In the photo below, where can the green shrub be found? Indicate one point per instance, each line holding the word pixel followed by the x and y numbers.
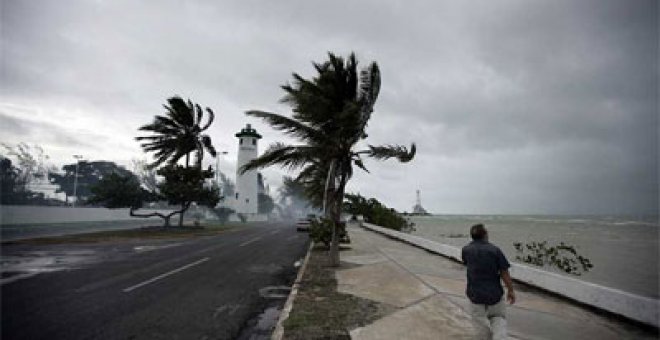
pixel 377 213
pixel 223 213
pixel 320 231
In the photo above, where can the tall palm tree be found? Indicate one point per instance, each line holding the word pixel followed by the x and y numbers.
pixel 177 134
pixel 330 116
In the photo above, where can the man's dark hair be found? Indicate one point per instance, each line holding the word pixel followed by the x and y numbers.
pixel 478 232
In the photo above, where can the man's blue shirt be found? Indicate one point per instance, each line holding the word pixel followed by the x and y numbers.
pixel 484 263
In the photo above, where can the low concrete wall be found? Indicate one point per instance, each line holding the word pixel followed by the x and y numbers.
pixel 635 307
pixel 25 214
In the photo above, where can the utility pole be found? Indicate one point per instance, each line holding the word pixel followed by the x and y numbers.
pixel 217 172
pixel 75 180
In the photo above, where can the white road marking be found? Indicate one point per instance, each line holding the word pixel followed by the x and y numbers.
pixel 250 241
pixel 140 249
pixel 274 232
pixel 161 276
pixel 17 277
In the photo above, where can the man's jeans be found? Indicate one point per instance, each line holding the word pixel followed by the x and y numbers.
pixel 495 315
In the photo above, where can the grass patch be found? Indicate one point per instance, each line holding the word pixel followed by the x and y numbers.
pixel 158 232
pixel 320 312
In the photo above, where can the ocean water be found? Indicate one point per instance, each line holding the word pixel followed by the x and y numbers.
pixel 623 250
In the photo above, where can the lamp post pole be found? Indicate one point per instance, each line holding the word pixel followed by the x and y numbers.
pixel 217 168
pixel 75 180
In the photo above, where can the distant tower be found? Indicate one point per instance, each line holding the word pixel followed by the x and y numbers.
pixel 418 209
pixel 246 184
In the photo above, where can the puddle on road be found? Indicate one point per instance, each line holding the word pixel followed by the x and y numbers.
pixel 261 327
pixel 264 324
pixel 28 264
pixel 275 292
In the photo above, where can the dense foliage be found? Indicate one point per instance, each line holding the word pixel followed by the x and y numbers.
pixel 266 203
pixel 375 212
pixel 89 174
pixel 118 191
pixel 181 185
pixel 14 188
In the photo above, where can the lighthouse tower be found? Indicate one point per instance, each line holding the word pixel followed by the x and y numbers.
pixel 246 198
pixel 418 209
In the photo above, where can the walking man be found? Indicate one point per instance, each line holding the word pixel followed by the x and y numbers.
pixel 486 264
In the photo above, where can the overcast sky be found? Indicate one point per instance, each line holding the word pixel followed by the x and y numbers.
pixel 516 106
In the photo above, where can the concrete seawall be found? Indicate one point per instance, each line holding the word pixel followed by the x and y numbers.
pixel 639 308
pixel 24 214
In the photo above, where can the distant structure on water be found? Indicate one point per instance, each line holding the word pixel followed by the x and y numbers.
pixel 418 209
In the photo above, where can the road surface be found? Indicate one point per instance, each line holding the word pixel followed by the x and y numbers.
pixel 205 288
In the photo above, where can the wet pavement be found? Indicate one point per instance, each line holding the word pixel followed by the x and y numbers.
pixel 428 292
pixel 214 287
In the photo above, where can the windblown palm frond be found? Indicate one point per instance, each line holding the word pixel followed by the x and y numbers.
pixel 288 156
pixel 369 90
pixel 391 151
pixel 289 126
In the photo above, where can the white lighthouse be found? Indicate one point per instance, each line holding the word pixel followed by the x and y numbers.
pixel 246 196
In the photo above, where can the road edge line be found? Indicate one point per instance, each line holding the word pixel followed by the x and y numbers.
pixel 278 333
pixel 164 275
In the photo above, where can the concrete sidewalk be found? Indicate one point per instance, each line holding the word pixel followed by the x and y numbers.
pixel 427 291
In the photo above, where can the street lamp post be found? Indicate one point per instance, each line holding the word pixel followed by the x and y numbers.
pixel 217 168
pixel 75 180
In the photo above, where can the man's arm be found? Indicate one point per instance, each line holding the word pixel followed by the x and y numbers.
pixel 506 277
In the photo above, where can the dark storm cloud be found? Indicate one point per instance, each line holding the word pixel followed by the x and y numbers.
pixel 515 105
pixel 16 130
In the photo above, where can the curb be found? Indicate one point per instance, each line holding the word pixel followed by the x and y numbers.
pixel 279 328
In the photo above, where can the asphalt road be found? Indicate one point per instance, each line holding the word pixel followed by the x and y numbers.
pixel 204 288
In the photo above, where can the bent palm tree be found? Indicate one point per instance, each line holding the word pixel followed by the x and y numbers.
pixel 330 116
pixel 176 135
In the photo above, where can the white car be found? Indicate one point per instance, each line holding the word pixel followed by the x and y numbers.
pixel 303 224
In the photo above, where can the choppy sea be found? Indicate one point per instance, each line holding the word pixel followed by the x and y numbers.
pixel 623 249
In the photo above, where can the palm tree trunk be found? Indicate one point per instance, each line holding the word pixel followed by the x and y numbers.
pixel 183 204
pixel 327 185
pixel 183 210
pixel 338 198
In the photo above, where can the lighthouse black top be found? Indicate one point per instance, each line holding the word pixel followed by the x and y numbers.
pixel 248 131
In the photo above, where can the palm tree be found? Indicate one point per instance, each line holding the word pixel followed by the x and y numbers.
pixel 330 116
pixel 176 135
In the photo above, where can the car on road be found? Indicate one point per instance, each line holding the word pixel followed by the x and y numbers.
pixel 303 224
